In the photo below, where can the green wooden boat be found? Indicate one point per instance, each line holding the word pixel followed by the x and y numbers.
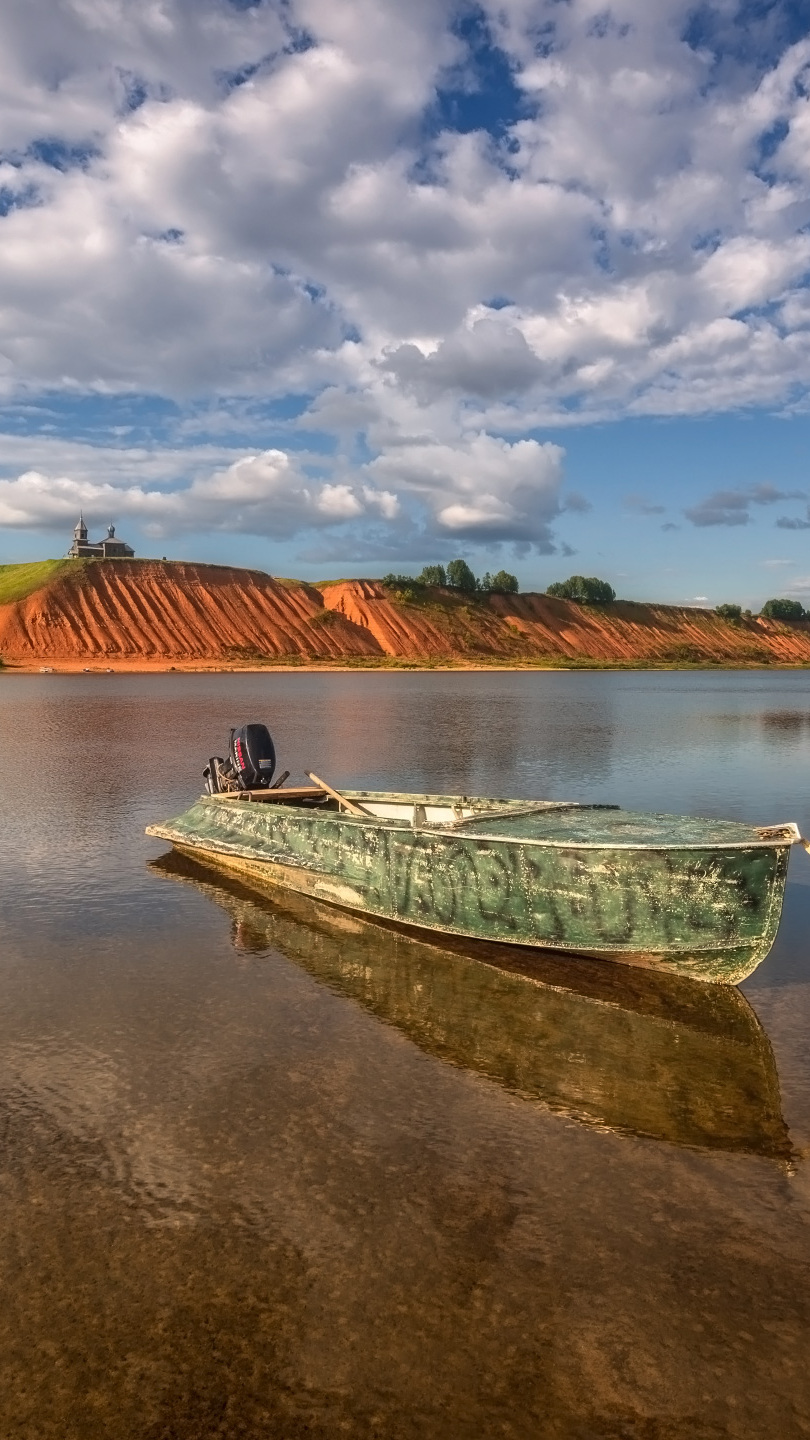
pixel 690 896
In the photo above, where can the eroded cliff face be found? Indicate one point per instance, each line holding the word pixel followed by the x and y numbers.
pixel 164 611
pixel 667 633
pixel 438 624
pixel 159 613
pixel 533 627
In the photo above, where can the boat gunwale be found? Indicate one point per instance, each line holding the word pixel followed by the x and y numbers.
pixel 465 831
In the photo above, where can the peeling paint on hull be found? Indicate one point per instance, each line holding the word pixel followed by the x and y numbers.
pixel 703 900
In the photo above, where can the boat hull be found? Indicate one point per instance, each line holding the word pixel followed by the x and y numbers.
pixel 703 911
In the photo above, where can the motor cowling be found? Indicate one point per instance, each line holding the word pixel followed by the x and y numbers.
pixel 250 764
pixel 252 756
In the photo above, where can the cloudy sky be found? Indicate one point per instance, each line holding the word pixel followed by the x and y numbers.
pixel 339 286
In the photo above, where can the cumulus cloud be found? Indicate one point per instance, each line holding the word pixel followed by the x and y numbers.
pixel 204 148
pixel 489 359
pixel 733 507
pixel 274 201
pixel 264 494
pixel 483 488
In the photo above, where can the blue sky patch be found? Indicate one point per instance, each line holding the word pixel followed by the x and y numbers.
pixel 480 94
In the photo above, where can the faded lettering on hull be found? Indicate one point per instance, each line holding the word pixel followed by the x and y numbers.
pixel 699 911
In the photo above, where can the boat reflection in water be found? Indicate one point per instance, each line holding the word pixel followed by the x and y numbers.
pixel 631 1051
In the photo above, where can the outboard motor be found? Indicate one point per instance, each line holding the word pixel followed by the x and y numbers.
pixel 253 756
pixel 250 764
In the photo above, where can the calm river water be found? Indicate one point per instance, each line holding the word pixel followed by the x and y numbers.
pixel 270 1171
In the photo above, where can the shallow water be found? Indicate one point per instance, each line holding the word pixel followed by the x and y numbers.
pixel 271 1171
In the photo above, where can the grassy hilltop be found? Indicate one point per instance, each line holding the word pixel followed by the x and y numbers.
pixel 19 581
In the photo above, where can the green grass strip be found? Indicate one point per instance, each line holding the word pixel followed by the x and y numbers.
pixel 18 581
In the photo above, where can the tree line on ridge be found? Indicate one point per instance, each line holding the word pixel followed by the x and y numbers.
pixel 583 589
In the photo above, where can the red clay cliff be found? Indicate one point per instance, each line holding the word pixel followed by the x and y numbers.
pixel 153 614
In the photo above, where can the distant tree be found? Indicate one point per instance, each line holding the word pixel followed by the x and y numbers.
pixel 401 582
pixel 783 610
pixel 485 583
pixel 729 612
pixel 504 584
pixel 461 577
pixel 587 590
pixel 433 575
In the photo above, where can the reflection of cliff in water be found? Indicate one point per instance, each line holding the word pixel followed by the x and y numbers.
pixel 634 1052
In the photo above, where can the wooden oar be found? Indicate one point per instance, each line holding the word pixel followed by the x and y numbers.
pixel 350 805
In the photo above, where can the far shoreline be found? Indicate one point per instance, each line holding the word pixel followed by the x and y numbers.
pixel 385 667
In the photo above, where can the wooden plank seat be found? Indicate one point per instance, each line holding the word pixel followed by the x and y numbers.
pixel 275 797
